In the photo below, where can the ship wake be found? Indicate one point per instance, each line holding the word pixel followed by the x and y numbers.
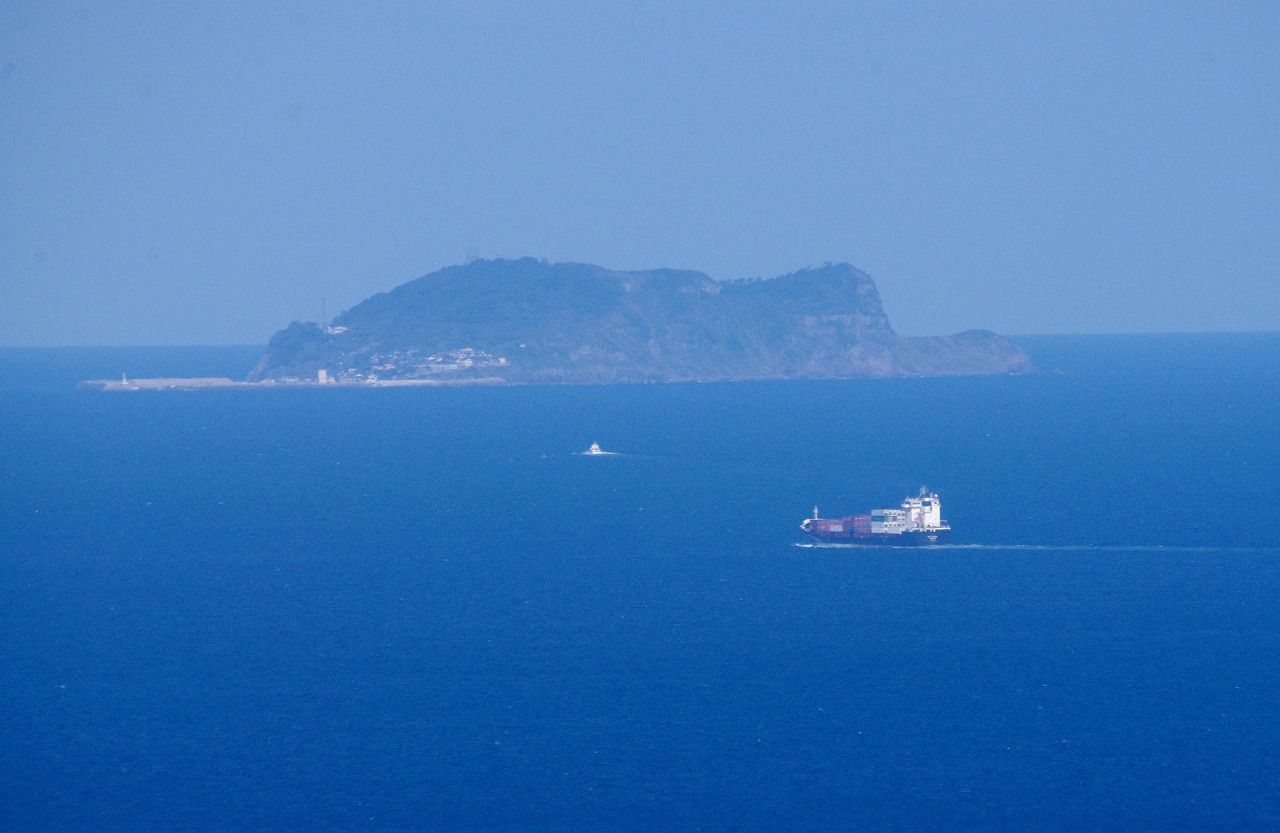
pixel 808 545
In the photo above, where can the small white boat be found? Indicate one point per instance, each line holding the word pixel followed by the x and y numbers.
pixel 596 451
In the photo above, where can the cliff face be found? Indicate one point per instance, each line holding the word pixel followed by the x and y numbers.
pixel 528 321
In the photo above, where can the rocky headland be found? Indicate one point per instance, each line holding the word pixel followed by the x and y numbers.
pixel 528 321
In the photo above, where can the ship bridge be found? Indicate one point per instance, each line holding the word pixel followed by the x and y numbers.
pixel 924 511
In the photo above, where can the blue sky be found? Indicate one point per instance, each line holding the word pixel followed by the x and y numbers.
pixel 177 173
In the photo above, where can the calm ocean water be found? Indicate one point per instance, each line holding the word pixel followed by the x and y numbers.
pixel 419 610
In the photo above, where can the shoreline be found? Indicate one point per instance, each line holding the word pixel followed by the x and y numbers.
pixel 125 384
pixel 223 383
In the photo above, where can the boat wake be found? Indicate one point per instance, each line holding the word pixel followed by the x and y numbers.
pixel 596 451
pixel 1034 547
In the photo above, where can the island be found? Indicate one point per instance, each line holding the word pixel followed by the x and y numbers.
pixel 530 321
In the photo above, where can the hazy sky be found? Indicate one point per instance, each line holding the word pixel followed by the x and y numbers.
pixel 178 173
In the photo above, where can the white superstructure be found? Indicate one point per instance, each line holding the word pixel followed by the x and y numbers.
pixel 922 513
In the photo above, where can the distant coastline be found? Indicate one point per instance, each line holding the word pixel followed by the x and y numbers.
pixel 184 367
pixel 125 384
pixel 531 321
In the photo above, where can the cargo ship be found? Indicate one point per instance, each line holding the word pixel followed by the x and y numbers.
pixel 917 522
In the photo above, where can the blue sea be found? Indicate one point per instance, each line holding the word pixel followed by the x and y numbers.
pixel 415 609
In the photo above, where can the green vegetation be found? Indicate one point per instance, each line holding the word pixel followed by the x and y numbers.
pixel 530 321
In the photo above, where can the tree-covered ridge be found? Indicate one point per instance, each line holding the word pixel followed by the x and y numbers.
pixel 528 320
